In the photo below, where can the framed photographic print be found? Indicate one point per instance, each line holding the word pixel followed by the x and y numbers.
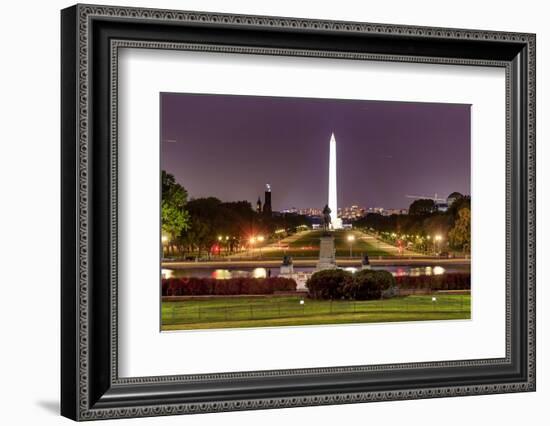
pixel 263 212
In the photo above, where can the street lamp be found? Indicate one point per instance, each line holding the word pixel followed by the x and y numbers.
pixel 437 240
pixel 165 241
pixel 260 239
pixel 252 240
pixel 351 239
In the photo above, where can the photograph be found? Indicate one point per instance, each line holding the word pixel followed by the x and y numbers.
pixel 286 211
pixel 272 208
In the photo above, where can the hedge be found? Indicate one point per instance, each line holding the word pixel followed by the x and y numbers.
pixel 328 283
pixel 370 284
pixel 375 284
pixel 451 281
pixel 233 286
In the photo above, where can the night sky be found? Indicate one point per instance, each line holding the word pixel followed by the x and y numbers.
pixel 229 147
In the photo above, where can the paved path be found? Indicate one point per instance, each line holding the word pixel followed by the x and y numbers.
pixel 369 239
pixel 382 245
pixel 269 248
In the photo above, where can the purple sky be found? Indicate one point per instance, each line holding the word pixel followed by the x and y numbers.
pixel 231 146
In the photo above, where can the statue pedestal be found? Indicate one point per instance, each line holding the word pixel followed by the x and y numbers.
pixel 286 269
pixel 327 255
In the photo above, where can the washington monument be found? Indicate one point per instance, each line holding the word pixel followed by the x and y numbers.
pixel 332 186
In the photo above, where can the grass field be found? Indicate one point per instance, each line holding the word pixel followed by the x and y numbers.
pixel 274 311
pixel 308 245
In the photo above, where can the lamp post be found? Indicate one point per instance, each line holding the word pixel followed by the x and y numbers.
pixel 252 240
pixel 260 239
pixel 164 240
pixel 437 240
pixel 351 239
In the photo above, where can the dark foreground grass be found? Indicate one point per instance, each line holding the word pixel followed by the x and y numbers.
pixel 275 311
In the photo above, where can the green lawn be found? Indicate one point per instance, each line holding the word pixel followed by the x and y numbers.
pixel 308 245
pixel 273 311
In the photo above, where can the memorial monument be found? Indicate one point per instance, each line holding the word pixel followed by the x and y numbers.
pixel 336 222
pixel 331 221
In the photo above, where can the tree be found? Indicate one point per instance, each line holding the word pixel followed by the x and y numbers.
pixel 459 204
pixel 459 235
pixel 328 283
pixel 369 284
pixel 422 207
pixel 175 218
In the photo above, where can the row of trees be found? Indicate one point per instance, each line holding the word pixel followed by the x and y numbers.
pixel 203 225
pixel 424 220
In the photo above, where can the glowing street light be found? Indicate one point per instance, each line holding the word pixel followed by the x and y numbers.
pixel 351 239
pixel 165 240
pixel 260 239
pixel 437 240
pixel 252 241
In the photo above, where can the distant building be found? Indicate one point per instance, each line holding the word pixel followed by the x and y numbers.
pixel 259 205
pixel 351 213
pixel 292 210
pixel 441 207
pixel 386 212
pixel 267 200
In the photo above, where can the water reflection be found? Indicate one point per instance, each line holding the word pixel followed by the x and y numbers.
pixel 223 274
pixel 438 270
pixel 259 273
pixel 423 270
pixel 167 273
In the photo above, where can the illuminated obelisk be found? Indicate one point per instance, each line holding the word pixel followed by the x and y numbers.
pixel 332 186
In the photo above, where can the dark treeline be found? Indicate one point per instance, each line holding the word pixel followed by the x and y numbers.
pixel 208 224
pixel 423 222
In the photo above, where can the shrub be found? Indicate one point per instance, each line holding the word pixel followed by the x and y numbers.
pixel 328 284
pixel 369 284
pixel 451 281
